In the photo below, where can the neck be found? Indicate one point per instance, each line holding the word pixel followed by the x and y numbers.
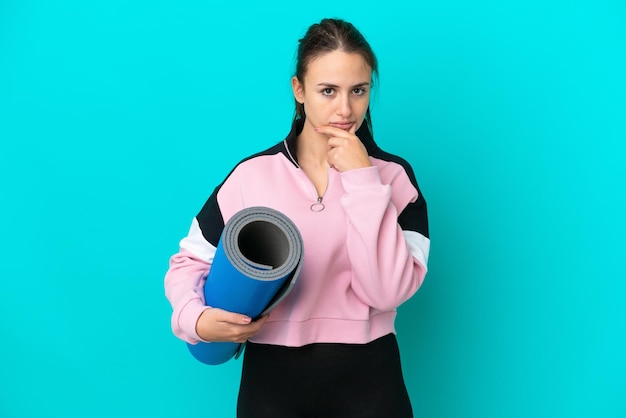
pixel 312 147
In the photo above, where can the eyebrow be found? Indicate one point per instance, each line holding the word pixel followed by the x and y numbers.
pixel 336 86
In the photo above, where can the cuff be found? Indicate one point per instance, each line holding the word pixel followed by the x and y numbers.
pixel 360 178
pixel 188 318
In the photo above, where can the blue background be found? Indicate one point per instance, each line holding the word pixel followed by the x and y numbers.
pixel 118 118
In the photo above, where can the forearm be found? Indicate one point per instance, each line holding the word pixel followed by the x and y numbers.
pixel 385 270
pixel 184 284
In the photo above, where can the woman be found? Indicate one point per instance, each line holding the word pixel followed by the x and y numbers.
pixel 329 348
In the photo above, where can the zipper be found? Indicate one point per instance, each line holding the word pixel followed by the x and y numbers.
pixel 318 206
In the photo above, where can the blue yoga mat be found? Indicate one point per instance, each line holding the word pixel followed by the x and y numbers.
pixel 258 259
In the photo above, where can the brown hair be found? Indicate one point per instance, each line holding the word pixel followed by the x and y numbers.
pixel 327 36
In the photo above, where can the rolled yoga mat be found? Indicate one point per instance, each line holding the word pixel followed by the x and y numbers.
pixel 257 261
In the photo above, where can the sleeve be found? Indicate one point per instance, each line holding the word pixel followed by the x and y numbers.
pixel 387 244
pixel 188 269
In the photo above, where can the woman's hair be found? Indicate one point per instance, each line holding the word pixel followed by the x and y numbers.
pixel 327 36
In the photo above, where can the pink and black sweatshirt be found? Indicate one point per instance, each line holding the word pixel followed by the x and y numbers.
pixel 365 253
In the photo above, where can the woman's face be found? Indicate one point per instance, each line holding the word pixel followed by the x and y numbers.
pixel 336 90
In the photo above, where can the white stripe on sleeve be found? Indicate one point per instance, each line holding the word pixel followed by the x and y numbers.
pixel 197 244
pixel 419 246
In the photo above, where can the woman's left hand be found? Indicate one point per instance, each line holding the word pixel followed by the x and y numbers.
pixel 345 149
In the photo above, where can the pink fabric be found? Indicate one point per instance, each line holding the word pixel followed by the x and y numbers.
pixel 357 265
pixel 184 284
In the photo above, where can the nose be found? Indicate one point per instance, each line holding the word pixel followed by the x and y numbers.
pixel 344 107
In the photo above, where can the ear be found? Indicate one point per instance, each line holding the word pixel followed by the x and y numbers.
pixel 298 89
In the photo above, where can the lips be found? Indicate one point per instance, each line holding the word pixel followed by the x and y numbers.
pixel 342 125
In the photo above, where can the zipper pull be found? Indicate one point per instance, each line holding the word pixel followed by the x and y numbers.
pixel 318 206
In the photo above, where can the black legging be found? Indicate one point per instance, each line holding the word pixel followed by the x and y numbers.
pixel 324 381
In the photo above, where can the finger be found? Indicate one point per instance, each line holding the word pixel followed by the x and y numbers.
pixel 333 131
pixel 352 129
pixel 231 317
pixel 262 320
pixel 242 332
pixel 334 142
pixel 338 142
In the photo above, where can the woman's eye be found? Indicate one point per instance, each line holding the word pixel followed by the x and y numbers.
pixel 358 91
pixel 328 91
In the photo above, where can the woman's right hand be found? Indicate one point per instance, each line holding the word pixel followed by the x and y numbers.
pixel 219 325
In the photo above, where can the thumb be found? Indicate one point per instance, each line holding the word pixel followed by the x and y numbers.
pixel 352 129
